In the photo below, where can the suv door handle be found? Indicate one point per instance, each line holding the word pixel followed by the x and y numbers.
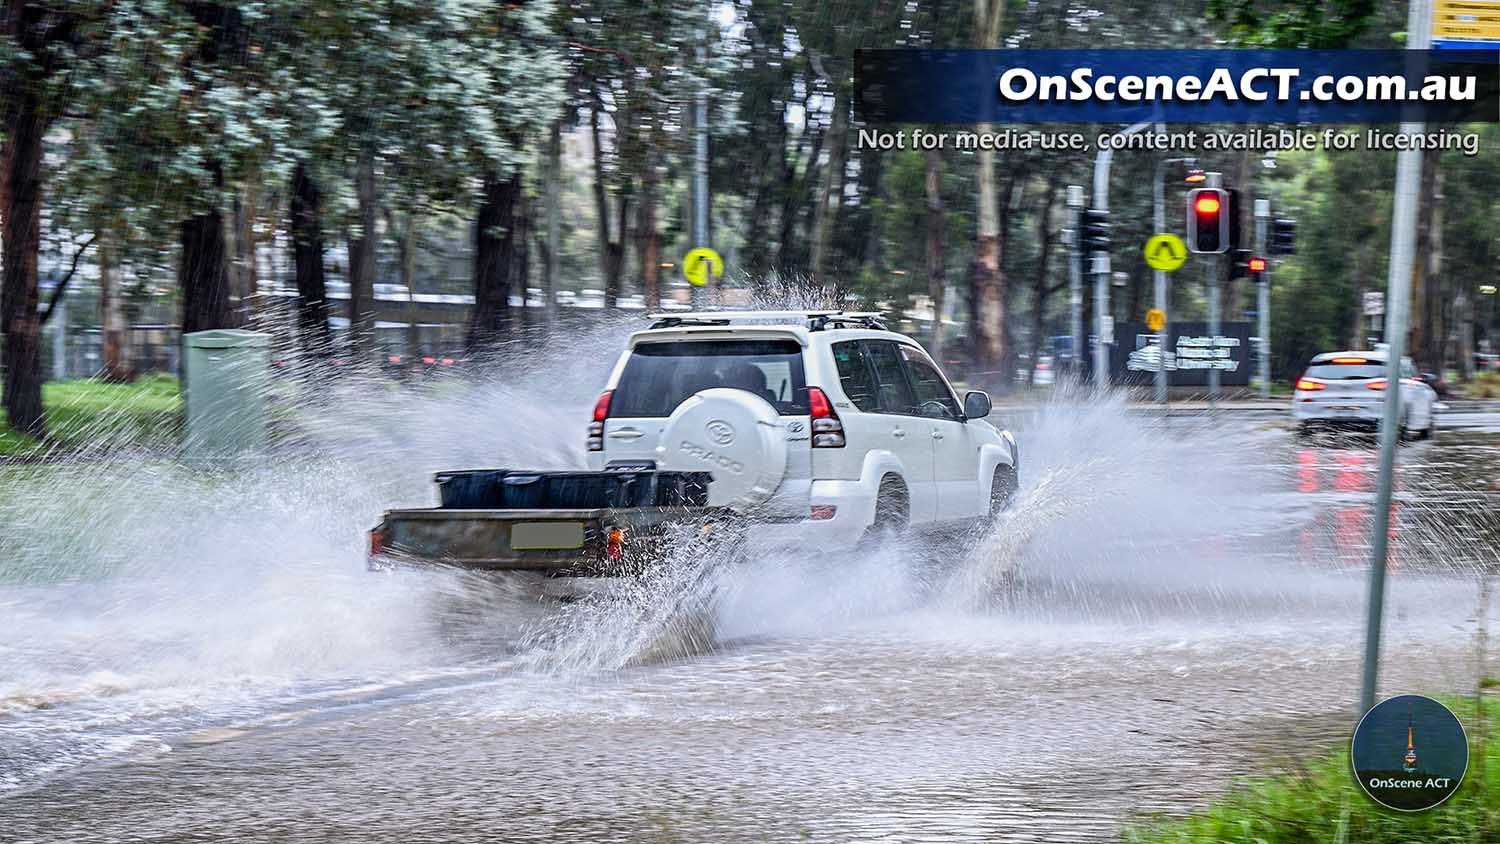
pixel 937 435
pixel 626 434
pixel 898 433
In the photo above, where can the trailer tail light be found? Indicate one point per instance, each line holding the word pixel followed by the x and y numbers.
pixel 1308 385
pixel 614 547
pixel 1377 384
pixel 596 427
pixel 377 541
pixel 827 430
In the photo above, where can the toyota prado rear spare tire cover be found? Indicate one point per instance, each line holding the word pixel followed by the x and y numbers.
pixel 735 436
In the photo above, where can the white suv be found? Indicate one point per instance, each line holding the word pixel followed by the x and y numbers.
pixel 823 423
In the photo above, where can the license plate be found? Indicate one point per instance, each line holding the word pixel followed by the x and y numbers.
pixel 546 536
pixel 1345 407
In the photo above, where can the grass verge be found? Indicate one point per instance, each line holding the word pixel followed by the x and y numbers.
pixel 88 414
pixel 1321 804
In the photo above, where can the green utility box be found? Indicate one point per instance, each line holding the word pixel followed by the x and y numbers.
pixel 227 375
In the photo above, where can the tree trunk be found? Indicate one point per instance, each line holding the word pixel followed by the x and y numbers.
pixel 830 192
pixel 1041 289
pixel 1437 322
pixel 936 257
pixel 648 241
pixel 362 265
pixel 246 285
pixel 520 255
pixel 406 245
pixel 118 363
pixel 307 253
pixel 611 249
pixel 554 222
pixel 988 283
pixel 203 276
pixel 1463 316
pixel 21 207
pixel 494 248
pixel 1425 344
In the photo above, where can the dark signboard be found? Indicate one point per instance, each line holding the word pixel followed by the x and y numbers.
pixel 1191 353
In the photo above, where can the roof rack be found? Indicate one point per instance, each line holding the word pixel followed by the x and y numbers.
pixel 813 320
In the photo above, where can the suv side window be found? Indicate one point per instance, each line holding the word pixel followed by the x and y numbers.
pixel 934 399
pixel 893 394
pixel 855 375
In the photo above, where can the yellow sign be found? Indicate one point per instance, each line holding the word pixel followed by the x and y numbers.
pixel 1156 319
pixel 701 263
pixel 1471 21
pixel 1165 252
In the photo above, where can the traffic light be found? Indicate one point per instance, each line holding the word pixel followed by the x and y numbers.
pixel 1239 263
pixel 1257 265
pixel 1283 237
pixel 1208 215
pixel 1096 230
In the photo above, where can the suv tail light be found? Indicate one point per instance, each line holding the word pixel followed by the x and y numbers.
pixel 596 427
pixel 1377 384
pixel 827 430
pixel 1308 384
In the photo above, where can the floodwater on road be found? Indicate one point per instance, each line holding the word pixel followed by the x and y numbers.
pixel 191 657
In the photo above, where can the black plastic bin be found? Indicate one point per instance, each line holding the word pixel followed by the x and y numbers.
pixel 507 489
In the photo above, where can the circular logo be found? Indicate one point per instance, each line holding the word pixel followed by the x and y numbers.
pixel 1409 753
pixel 720 432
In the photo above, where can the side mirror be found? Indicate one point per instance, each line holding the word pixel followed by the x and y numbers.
pixel 976 404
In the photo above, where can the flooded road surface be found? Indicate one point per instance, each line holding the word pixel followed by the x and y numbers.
pixel 1189 609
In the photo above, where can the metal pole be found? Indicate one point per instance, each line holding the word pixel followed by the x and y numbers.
pixel 1101 261
pixel 1213 330
pixel 1075 275
pixel 1263 296
pixel 1398 293
pixel 1213 180
pixel 700 161
pixel 60 339
pixel 1159 223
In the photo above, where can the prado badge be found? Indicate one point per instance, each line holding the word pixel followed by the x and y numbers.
pixel 1409 753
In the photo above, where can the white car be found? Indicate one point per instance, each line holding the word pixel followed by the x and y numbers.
pixel 1349 388
pixel 823 424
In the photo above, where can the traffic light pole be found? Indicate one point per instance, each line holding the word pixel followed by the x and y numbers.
pixel 1213 329
pixel 1159 282
pixel 1101 259
pixel 1263 297
pixel 1075 276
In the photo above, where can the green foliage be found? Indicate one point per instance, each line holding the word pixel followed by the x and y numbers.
pixel 1285 24
pixel 1322 803
pixel 95 415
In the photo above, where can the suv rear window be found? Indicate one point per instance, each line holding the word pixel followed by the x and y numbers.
pixel 660 376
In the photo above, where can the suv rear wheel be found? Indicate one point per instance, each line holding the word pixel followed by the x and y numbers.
pixel 892 514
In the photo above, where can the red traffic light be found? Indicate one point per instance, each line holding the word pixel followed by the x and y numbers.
pixel 1257 265
pixel 1206 204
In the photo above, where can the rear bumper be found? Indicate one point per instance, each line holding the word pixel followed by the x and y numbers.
pixel 1362 411
pixel 854 510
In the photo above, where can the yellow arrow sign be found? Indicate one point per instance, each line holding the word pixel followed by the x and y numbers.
pixel 1156 319
pixel 700 264
pixel 1165 252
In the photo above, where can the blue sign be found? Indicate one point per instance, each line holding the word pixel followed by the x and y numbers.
pixel 1177 86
